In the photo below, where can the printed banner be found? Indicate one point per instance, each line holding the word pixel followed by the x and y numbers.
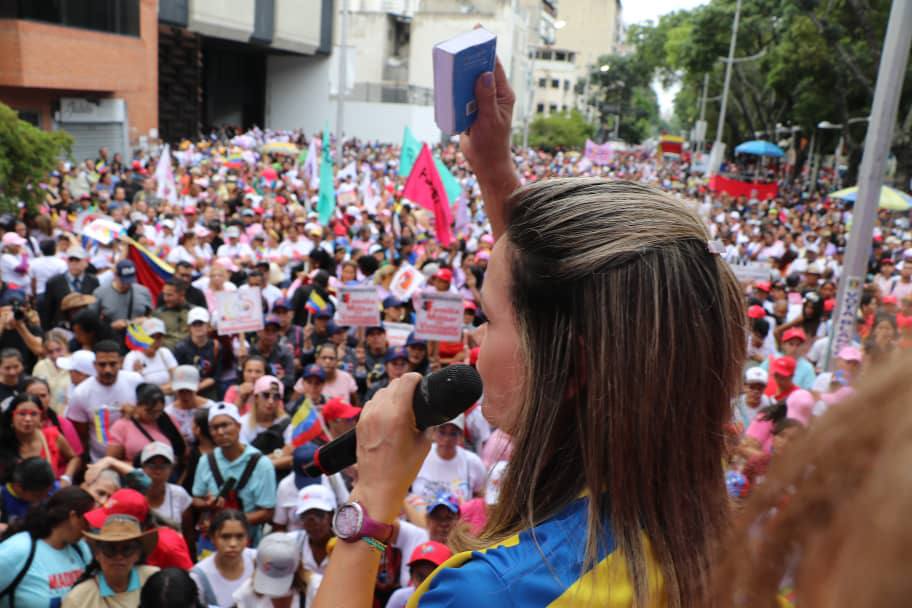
pixel 439 317
pixel 750 272
pixel 733 187
pixel 239 311
pixel 406 281
pixel 397 333
pixel 598 154
pixel 359 306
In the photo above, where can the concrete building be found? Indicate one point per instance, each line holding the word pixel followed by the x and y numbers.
pixel 389 67
pixel 114 71
pixel 589 29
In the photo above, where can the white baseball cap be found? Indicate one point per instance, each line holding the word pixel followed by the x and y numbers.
pixel 186 377
pixel 225 409
pixel 756 375
pixel 315 497
pixel 157 448
pixel 153 326
pixel 233 232
pixel 82 361
pixel 197 313
pixel 458 422
pixel 277 560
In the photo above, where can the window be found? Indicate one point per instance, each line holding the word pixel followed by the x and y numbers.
pixel 564 108
pixel 560 56
pixel 552 108
pixel 571 57
pixel 555 83
pixel 114 16
pixel 566 85
pixel 540 108
pixel 542 83
pixel 546 55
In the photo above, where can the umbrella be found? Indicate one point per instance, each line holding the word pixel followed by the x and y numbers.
pixel 890 198
pixel 280 147
pixel 759 147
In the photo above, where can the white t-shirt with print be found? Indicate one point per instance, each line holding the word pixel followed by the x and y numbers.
pixel 101 406
pixel 175 503
pixel 155 370
pixel 463 475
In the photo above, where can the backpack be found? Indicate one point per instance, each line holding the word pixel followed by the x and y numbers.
pixel 272 438
pixel 10 589
pixel 233 499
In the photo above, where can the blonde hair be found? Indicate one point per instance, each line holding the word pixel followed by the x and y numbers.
pixel 833 510
pixel 633 337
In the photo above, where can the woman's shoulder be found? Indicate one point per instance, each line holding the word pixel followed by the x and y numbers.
pixel 16 547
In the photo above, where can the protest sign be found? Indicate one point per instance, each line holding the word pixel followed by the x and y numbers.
pixel 406 280
pixel 748 272
pixel 397 333
pixel 439 317
pixel 239 311
pixel 598 154
pixel 358 306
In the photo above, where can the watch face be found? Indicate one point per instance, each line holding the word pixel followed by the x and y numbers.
pixel 348 521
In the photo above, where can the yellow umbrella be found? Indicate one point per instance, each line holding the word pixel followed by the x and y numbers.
pixel 890 198
pixel 280 147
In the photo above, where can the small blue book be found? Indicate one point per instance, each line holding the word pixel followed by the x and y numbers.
pixel 458 63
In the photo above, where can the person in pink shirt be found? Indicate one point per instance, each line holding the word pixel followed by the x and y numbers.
pixel 149 423
pixel 339 383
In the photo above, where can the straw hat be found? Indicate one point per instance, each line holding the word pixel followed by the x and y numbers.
pixel 76 300
pixel 122 528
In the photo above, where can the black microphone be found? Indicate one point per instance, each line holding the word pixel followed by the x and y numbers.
pixel 439 398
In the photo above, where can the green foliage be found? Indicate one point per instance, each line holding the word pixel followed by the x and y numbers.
pixel 624 89
pixel 568 130
pixel 818 61
pixel 27 155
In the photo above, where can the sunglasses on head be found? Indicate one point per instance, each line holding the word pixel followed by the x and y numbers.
pixel 123 549
pixel 271 395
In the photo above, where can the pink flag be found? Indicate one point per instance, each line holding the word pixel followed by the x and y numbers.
pixel 425 188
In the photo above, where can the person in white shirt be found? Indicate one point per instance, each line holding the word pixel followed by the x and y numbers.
pixel 14 261
pixel 234 249
pixel 155 363
pixel 221 574
pixel 449 468
pixel 285 517
pixel 315 508
pixel 44 267
pixel 167 500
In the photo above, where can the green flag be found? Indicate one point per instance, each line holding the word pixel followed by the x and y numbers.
pixel 450 183
pixel 327 201
pixel 410 149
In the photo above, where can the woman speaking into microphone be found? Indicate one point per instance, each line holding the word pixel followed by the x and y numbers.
pixel 613 349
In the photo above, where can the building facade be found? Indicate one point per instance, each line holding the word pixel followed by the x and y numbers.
pixel 589 30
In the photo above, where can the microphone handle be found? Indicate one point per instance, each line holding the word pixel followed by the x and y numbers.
pixel 334 456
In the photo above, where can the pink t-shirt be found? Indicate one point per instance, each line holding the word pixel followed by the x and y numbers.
pixel 125 433
pixel 475 513
pixel 762 431
pixel 342 386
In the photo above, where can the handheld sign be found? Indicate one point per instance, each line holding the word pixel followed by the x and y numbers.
pixel 397 333
pixel 439 317
pixel 358 306
pixel 406 281
pixel 239 311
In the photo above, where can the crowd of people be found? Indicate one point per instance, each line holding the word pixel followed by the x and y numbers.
pixel 176 462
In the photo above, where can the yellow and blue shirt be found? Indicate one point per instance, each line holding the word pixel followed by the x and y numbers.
pixel 542 566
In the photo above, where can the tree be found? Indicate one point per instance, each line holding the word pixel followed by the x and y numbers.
pixel 568 130
pixel 27 155
pixel 622 87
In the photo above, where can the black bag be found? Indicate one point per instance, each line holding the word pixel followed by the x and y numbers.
pixel 272 439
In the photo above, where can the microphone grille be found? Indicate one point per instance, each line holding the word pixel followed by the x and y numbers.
pixel 453 390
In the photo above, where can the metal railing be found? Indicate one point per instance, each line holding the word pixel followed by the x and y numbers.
pixel 391 93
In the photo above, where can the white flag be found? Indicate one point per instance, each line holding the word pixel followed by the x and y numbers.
pixel 368 193
pixel 164 178
pixel 311 168
pixel 350 170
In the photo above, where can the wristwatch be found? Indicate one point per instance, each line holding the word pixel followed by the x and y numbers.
pixel 352 523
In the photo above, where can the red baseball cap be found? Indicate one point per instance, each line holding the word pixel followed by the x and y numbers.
pixel 829 304
pixel 784 366
pixel 889 300
pixel 444 274
pixel 122 502
pixel 336 409
pixel 795 333
pixel 469 305
pixel 763 286
pixel 756 312
pixel 430 551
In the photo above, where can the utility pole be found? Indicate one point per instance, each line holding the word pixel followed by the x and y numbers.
pixel 700 129
pixel 718 149
pixel 340 100
pixel 890 76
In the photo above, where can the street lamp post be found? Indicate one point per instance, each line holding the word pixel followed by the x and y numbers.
pixel 890 76
pixel 718 149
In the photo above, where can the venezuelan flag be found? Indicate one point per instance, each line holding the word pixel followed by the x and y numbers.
pixel 102 424
pixel 151 271
pixel 136 338
pixel 316 303
pixel 305 425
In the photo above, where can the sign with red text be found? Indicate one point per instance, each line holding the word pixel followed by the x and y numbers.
pixel 397 333
pixel 239 311
pixel 358 306
pixel 406 281
pixel 439 316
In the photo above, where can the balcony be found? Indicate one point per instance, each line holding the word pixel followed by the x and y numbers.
pixel 380 92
